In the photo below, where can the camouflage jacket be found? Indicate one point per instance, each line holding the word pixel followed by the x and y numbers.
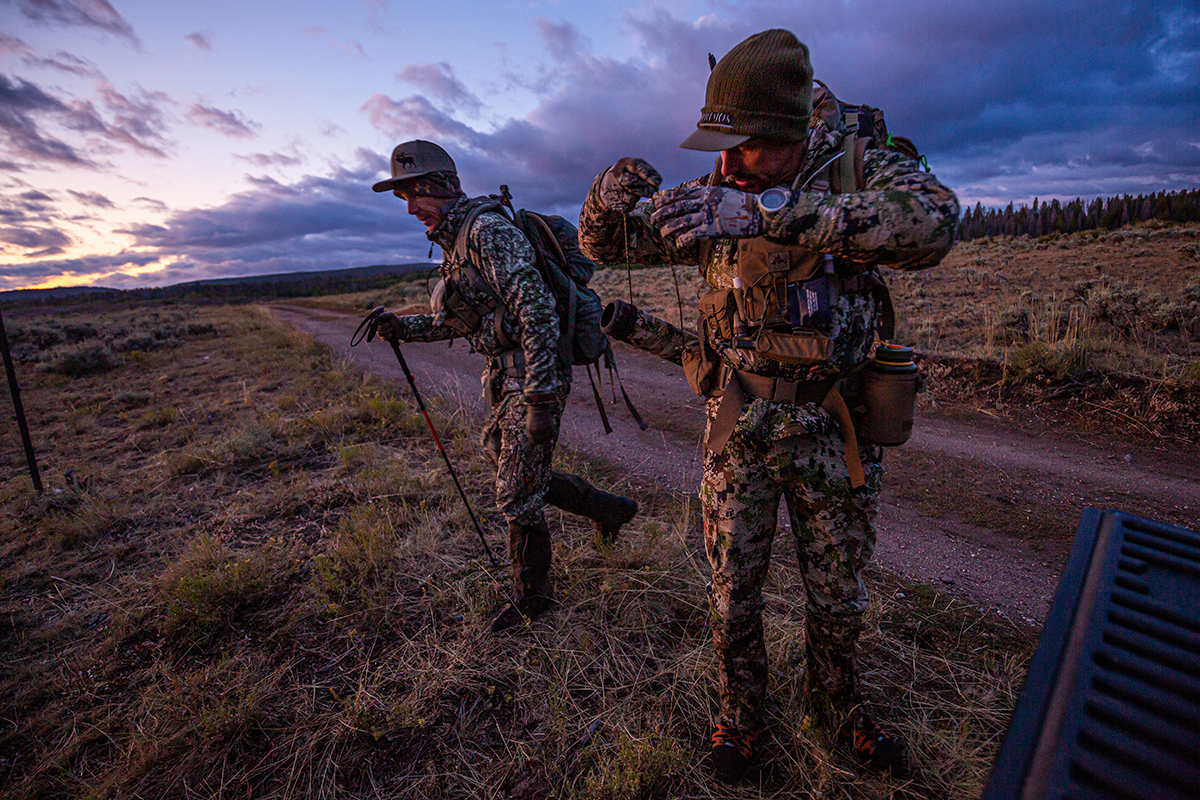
pixel 903 218
pixel 505 261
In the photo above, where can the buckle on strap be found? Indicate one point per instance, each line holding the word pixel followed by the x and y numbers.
pixel 511 362
pixel 781 390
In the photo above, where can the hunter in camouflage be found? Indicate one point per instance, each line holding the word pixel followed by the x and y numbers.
pixel 492 294
pixel 783 435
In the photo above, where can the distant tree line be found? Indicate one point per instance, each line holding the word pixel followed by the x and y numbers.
pixel 1077 215
pixel 228 290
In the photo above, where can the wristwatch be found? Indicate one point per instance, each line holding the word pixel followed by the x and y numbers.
pixel 773 200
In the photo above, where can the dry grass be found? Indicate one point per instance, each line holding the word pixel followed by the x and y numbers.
pixel 250 576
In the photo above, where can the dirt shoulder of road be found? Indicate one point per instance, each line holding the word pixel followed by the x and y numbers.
pixel 980 505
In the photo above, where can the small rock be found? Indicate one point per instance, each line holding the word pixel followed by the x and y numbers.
pixel 1129 458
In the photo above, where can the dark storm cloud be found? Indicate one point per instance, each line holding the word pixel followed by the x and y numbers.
pixel 439 81
pixel 1007 99
pixel 1015 98
pixel 1010 100
pixel 599 109
pixel 96 14
pixel 271 213
pixel 227 123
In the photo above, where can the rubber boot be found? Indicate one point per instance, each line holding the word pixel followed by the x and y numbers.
pixel 529 549
pixel 574 495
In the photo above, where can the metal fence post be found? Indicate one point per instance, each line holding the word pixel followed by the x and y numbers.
pixel 20 409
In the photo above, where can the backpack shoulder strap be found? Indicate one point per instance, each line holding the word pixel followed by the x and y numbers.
pixel 547 235
pixel 478 206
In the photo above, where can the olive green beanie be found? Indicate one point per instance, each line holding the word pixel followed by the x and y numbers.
pixel 761 88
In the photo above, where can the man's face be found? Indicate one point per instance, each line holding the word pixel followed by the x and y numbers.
pixel 429 210
pixel 758 164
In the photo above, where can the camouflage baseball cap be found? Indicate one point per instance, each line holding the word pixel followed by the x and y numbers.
pixel 413 160
pixel 761 88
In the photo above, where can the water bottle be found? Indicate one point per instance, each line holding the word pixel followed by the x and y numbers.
pixel 890 385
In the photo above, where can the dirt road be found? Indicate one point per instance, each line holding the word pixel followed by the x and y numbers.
pixel 1010 575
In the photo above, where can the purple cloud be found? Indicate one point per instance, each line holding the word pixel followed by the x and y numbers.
pixel 22 137
pixel 227 123
pixel 49 240
pixel 439 80
pixel 271 159
pixel 201 40
pixel 1017 92
pixel 94 199
pixel 97 14
pixel 353 47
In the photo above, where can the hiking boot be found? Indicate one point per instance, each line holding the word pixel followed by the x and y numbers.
pixel 873 747
pixel 613 511
pixel 574 495
pixel 731 754
pixel 530 608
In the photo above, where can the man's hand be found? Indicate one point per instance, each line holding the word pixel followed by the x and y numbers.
pixel 541 421
pixel 388 327
pixel 706 212
pixel 625 182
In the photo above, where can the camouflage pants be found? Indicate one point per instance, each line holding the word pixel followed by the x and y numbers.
pixel 835 537
pixel 522 467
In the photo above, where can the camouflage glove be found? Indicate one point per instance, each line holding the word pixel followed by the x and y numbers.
pixel 626 181
pixel 388 327
pixel 541 421
pixel 706 212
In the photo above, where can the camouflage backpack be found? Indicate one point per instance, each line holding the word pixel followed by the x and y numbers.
pixel 864 128
pixel 566 271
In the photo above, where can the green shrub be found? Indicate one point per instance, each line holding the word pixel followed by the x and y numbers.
pixel 91 359
pixel 1055 361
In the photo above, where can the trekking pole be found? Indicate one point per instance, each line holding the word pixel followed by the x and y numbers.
pixel 20 409
pixel 366 330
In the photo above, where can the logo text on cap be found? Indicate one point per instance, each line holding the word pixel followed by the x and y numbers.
pixel 716 118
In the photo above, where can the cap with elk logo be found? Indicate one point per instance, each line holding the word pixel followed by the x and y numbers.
pixel 761 88
pixel 426 161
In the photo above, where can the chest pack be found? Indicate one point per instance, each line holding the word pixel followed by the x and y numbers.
pixel 781 302
pixel 782 297
pixel 564 270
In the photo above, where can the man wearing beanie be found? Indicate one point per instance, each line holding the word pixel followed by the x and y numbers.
pixel 787 232
pixel 492 294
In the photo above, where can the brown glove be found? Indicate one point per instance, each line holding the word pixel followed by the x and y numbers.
pixel 626 181
pixel 541 417
pixel 388 327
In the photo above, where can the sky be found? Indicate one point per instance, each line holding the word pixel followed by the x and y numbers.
pixel 150 143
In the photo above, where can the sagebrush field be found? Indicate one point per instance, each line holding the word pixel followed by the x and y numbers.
pixel 250 575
